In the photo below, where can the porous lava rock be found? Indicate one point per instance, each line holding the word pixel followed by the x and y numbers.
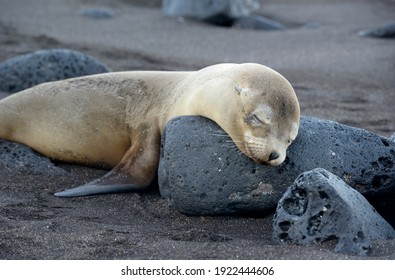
pixel 24 71
pixel 19 158
pixel 201 172
pixel 319 206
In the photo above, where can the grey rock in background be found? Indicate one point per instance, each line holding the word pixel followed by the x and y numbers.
pixel 319 207
pixel 235 13
pixel 204 9
pixel 387 31
pixel 257 23
pixel 28 70
pixel 201 172
pixel 97 12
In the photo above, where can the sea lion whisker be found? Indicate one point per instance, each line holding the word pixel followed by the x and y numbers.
pixel 219 135
pixel 229 145
pixel 220 131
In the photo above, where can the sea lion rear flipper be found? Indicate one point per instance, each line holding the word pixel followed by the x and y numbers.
pixel 112 182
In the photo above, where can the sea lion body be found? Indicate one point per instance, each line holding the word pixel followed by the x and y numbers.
pixel 115 120
pixel 82 121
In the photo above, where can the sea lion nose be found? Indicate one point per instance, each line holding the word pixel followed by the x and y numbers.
pixel 273 156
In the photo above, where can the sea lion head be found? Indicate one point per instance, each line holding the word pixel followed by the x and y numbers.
pixel 267 121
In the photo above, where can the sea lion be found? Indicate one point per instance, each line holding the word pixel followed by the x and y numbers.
pixel 115 120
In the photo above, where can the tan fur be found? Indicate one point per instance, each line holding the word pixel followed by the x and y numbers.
pixel 116 119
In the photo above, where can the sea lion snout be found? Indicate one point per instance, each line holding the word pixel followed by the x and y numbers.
pixel 273 156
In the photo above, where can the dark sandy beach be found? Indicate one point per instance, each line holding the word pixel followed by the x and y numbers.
pixel 336 74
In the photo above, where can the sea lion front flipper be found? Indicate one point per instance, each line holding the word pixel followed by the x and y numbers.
pixel 136 171
pixel 112 182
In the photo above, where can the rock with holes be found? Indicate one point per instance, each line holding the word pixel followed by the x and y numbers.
pixel 20 158
pixel 319 206
pixel 201 172
pixel 28 70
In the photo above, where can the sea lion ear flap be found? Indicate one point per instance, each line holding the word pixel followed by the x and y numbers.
pixel 241 91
